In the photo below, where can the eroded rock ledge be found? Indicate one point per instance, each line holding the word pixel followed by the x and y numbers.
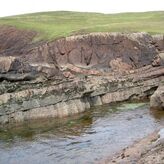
pixel 36 100
pixel 69 75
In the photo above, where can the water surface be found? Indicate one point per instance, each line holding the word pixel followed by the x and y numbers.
pixel 81 139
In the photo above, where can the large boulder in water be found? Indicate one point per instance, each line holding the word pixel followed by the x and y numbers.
pixel 157 99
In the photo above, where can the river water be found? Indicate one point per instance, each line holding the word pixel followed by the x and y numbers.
pixel 82 139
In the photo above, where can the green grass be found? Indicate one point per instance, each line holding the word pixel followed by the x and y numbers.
pixel 51 25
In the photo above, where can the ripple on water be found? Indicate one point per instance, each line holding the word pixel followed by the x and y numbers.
pixel 85 138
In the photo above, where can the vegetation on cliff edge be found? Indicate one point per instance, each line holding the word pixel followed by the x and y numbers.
pixel 57 24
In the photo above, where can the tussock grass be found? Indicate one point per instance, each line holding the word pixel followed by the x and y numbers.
pixel 51 25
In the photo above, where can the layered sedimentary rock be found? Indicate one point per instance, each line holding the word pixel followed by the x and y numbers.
pixel 38 100
pixel 69 75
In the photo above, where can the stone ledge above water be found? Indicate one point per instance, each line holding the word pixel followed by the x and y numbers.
pixel 72 98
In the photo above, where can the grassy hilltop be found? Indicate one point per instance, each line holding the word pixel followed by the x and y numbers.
pixel 57 24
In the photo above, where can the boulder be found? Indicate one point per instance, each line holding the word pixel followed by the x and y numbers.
pixel 157 99
pixel 14 65
pixel 6 63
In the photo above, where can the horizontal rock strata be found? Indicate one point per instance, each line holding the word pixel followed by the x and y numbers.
pixel 69 75
pixel 72 97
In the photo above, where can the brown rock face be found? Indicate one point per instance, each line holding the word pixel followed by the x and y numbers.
pixel 14 65
pixel 118 65
pixel 6 64
pixel 99 49
pixel 14 45
pixel 13 41
pixel 105 51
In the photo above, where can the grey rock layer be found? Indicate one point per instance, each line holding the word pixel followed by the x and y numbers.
pixel 72 97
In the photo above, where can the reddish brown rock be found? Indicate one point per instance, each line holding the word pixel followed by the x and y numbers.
pixel 85 70
pixel 96 50
pixel 6 64
pixel 14 65
pixel 13 41
pixel 119 66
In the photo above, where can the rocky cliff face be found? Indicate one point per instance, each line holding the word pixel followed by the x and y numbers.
pixel 69 75
pixel 30 100
pixel 99 50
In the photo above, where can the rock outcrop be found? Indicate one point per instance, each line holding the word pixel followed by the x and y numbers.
pixel 6 64
pixel 39 99
pixel 69 75
pixel 98 50
pixel 157 99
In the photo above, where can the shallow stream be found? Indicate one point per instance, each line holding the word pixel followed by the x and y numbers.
pixel 82 139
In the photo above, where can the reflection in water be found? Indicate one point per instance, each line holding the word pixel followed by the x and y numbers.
pixel 158 115
pixel 80 139
pixel 75 126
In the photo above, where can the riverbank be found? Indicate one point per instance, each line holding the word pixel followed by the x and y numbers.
pixel 84 138
pixel 147 150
